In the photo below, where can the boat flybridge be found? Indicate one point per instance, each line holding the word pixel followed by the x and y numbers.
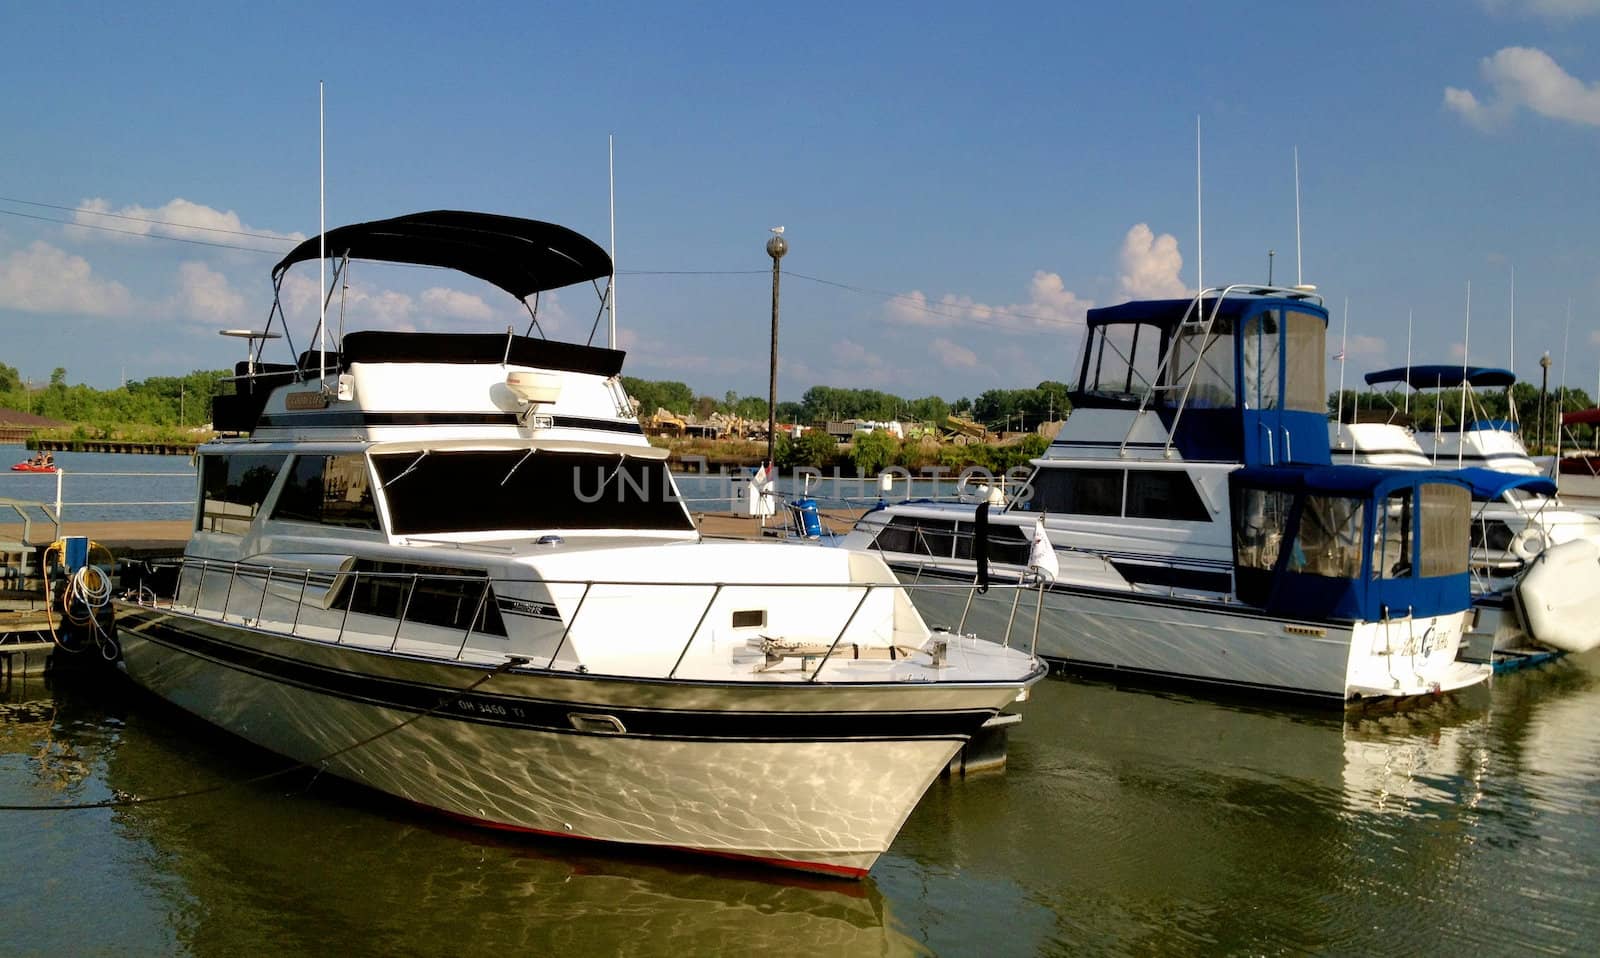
pixel 1461 437
pixel 1200 531
pixel 1534 558
pixel 449 566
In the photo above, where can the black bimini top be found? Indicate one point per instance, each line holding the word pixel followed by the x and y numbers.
pixel 520 256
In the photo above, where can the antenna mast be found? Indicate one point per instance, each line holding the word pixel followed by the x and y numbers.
pixel 1299 280
pixel 322 244
pixel 611 301
pixel 1407 393
pixel 1466 351
pixel 1199 220
pixel 1344 344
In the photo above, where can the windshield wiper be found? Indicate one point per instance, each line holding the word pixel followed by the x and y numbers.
pixel 407 470
pixel 515 466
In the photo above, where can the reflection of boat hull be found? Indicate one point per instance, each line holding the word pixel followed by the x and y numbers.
pixel 1208 642
pixel 810 775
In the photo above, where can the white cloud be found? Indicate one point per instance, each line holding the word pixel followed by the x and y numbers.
pixel 44 279
pixel 952 355
pixel 848 352
pixel 1150 265
pixel 1528 78
pixel 1050 306
pixel 181 219
pixel 454 304
pixel 205 296
pixel 1371 347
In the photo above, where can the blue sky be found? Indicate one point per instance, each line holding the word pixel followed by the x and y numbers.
pixel 958 182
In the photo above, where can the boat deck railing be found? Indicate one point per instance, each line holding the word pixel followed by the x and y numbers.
pixel 249 592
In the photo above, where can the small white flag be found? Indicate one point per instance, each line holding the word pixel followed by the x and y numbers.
pixel 758 494
pixel 1042 555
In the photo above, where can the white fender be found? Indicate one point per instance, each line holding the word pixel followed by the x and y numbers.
pixel 1558 595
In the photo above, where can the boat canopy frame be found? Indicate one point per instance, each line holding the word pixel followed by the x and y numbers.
pixel 522 257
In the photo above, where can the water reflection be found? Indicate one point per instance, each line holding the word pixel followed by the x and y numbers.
pixel 1128 822
pixel 309 865
pixel 1151 821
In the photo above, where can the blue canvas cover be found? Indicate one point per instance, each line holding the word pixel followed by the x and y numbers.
pixel 1246 430
pixel 1488 484
pixel 1366 592
pixel 1442 376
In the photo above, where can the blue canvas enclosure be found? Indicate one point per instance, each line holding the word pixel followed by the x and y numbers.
pixel 1351 543
pixel 1239 379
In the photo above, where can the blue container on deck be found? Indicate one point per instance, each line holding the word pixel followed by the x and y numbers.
pixel 74 552
pixel 806 517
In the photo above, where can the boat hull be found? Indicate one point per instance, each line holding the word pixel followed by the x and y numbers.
pixel 1210 642
pixel 811 776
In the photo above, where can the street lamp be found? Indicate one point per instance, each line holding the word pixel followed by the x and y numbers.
pixel 776 247
pixel 1544 382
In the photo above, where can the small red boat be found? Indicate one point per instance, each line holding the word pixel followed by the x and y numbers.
pixel 32 467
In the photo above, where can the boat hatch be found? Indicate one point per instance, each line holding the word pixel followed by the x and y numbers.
pixel 1350 542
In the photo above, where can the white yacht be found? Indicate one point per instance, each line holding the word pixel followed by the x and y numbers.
pixel 1200 531
pixel 1534 557
pixel 451 568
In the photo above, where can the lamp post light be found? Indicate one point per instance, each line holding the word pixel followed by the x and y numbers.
pixel 776 247
pixel 1544 383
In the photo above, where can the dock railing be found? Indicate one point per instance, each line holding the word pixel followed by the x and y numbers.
pixel 372 610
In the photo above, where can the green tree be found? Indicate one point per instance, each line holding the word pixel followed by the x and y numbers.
pixel 872 451
pixel 816 448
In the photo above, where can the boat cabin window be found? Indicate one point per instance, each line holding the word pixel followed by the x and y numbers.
pixel 1446 521
pixel 1202 361
pixel 232 490
pixel 1330 538
pixel 1150 493
pixel 328 490
pixel 1394 537
pixel 1083 492
pixel 426 594
pixel 1164 494
pixel 1261 354
pixel 1305 373
pixel 1007 543
pixel 520 489
pixel 1262 516
pixel 1122 360
pixel 916 535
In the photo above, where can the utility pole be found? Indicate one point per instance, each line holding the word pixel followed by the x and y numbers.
pixel 776 247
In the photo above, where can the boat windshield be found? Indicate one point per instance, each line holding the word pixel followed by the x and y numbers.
pixel 1327 543
pixel 485 491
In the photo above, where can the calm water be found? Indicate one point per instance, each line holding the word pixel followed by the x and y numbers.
pixel 1128 822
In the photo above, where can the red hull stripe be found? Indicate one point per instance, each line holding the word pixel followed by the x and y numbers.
pixel 817 868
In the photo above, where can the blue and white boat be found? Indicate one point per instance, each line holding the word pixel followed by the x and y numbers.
pixel 1201 532
pixel 1535 559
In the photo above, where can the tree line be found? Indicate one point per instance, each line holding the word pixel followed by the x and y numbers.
pixel 997 408
pixel 179 402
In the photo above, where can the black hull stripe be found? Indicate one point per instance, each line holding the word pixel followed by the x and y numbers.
pixel 1155 677
pixel 341 418
pixel 484 708
pixel 1132 598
